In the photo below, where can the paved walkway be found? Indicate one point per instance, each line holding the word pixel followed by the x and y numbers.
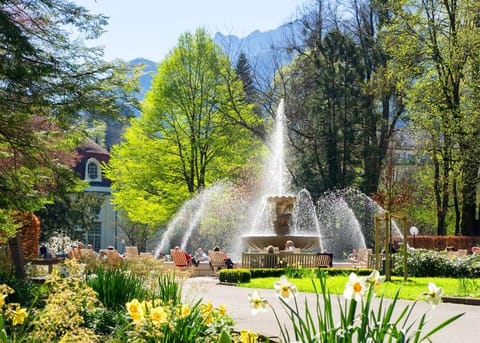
pixel 465 329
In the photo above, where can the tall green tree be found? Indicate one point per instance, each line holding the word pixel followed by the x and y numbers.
pixel 195 128
pixel 324 112
pixel 342 105
pixel 434 45
pixel 380 105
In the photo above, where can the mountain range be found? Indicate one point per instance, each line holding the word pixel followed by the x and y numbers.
pixel 257 47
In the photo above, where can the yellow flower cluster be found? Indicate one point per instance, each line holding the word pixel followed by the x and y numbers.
pixel 11 311
pixel 157 313
pixel 248 336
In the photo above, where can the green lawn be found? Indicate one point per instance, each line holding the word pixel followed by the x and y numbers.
pixel 410 289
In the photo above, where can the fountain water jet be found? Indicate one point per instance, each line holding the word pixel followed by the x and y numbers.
pixel 275 221
pixel 279 214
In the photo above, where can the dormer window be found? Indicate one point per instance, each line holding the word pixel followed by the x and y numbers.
pixel 93 170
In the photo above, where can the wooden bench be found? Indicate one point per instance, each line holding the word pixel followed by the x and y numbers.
pixel 284 259
pixel 324 260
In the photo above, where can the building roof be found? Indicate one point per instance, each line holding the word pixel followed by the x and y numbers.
pixel 88 150
pixel 91 147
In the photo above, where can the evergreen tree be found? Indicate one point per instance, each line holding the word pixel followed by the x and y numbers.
pixel 48 78
pixel 244 73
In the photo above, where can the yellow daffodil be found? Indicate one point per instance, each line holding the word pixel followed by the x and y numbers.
pixel 135 310
pixel 158 316
pixel 355 288
pixel 19 316
pixel 184 310
pixel 209 320
pixel 206 308
pixel 434 295
pixel 284 289
pixel 222 310
pixel 4 292
pixel 2 300
pixel 257 302
pixel 247 336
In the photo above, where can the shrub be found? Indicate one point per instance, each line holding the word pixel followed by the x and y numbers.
pixel 24 290
pixel 235 275
pixel 116 286
pixel 155 321
pixel 70 301
pixel 260 273
pixel 169 290
pixel 421 262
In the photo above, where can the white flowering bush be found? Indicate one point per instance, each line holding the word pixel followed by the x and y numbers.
pixel 359 320
pixel 59 244
pixel 424 263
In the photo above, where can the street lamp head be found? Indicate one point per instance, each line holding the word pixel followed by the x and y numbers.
pixel 414 231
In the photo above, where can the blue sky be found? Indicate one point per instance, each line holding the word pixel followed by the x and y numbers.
pixel 151 28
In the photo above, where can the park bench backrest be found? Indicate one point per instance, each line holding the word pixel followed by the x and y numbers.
pixel 325 260
pixel 216 258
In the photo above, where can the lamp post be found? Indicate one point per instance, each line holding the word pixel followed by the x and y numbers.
pixel 414 232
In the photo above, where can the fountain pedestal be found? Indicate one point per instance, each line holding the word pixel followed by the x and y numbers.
pixel 282 208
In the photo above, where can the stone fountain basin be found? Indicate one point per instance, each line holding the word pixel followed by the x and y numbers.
pixel 308 243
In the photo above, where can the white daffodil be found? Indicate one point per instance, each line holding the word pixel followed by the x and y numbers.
pixel 374 279
pixel 355 288
pixel 257 303
pixel 434 295
pixel 285 289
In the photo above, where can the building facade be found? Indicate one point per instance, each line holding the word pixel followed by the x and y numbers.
pixel 106 232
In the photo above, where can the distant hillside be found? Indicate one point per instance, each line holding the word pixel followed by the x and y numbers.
pixel 257 46
pixel 145 80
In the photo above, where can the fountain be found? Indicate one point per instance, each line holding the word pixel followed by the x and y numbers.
pixel 277 211
pixel 219 215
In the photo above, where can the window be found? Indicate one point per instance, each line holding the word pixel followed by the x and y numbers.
pixel 94 237
pixel 93 172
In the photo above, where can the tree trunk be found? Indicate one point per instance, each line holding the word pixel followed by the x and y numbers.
pixel 456 203
pixel 439 198
pixel 16 251
pixel 469 194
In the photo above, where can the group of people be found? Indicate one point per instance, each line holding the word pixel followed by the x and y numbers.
pixel 200 256
pixel 289 246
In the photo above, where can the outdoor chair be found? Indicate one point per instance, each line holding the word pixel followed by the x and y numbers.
pixel 179 259
pixel 113 258
pixel 216 258
pixel 362 258
pixel 146 255
pixel 131 251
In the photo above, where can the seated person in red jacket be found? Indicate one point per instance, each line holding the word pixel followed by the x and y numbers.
pixel 187 256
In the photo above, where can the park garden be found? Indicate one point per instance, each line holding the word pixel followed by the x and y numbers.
pixel 379 100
